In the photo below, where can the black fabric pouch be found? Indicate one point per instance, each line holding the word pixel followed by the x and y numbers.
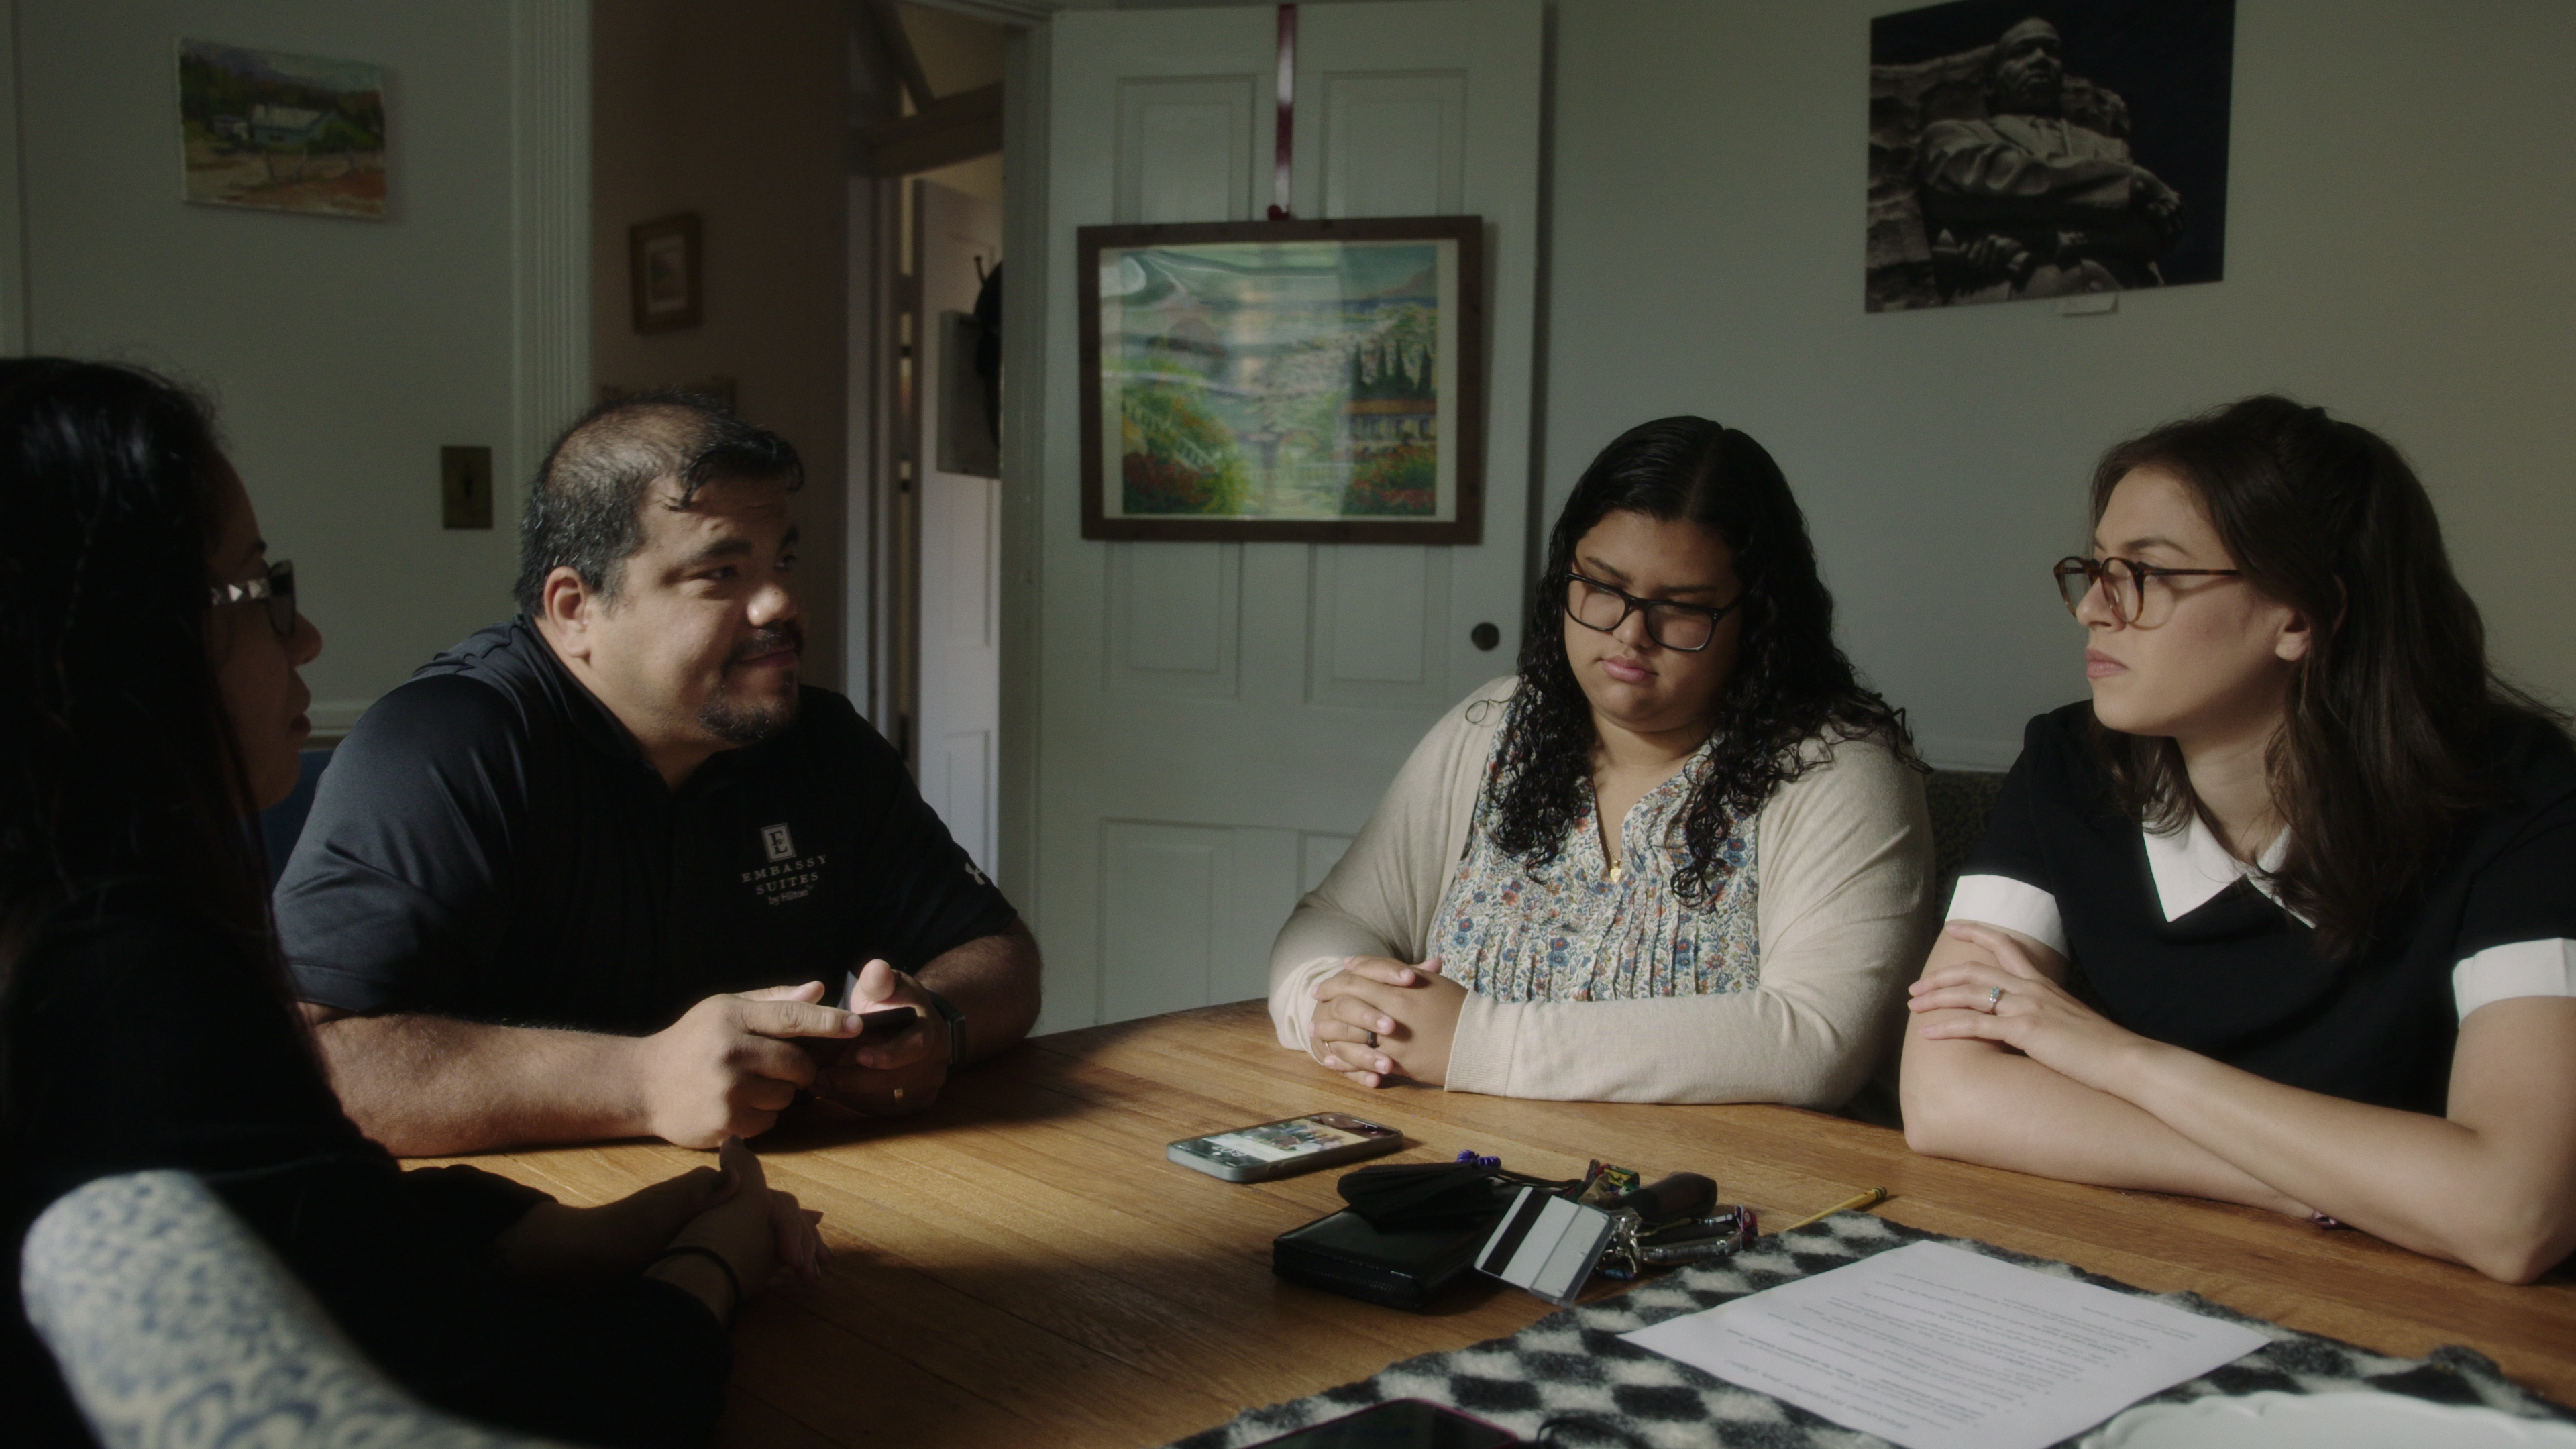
pixel 1405 1268
pixel 1395 1196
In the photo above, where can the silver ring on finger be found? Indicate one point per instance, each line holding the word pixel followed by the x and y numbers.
pixel 1994 999
pixel 1372 1041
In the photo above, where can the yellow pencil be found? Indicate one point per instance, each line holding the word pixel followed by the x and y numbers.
pixel 1871 1198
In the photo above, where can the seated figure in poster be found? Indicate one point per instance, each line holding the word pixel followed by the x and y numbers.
pixel 2026 202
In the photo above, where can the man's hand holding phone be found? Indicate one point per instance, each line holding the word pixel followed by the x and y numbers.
pixel 877 1027
pixel 730 1065
pixel 889 1073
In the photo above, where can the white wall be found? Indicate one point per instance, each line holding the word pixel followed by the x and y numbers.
pixel 2399 215
pixel 344 353
pixel 736 112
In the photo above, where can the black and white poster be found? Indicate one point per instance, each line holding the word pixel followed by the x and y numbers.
pixel 2021 149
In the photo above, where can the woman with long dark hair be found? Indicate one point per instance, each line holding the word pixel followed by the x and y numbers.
pixel 149 702
pixel 2286 913
pixel 1682 856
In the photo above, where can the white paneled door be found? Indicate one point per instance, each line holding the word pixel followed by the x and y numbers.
pixel 957 239
pixel 1215 721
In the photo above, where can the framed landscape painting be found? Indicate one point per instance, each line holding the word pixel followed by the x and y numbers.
pixel 1286 381
pixel 261 128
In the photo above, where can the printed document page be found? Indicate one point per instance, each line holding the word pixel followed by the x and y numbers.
pixel 1934 1347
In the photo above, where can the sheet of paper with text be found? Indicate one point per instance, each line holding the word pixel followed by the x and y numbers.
pixel 1934 1347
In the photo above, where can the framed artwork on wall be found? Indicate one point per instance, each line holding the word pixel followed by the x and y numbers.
pixel 279 132
pixel 1284 381
pixel 662 272
pixel 2046 148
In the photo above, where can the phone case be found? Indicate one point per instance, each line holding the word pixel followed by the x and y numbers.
pixel 1231 1166
pixel 1222 1170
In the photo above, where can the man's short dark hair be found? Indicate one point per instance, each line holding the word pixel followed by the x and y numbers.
pixel 586 512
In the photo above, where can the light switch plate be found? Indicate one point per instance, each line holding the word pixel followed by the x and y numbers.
pixel 465 487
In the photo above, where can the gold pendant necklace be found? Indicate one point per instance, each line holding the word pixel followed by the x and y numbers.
pixel 1601 830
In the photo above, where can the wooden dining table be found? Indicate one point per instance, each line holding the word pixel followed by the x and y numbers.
pixel 1021 1265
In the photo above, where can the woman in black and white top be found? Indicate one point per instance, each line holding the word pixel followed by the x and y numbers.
pixel 2287 914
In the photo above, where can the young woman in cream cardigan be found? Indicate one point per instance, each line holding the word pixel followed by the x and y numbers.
pixel 1682 856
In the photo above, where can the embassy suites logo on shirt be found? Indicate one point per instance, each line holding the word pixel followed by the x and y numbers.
pixel 786 877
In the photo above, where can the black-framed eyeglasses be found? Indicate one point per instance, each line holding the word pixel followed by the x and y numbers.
pixel 276 589
pixel 2123 581
pixel 1686 627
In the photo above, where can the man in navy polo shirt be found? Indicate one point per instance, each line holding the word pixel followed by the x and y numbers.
pixel 592 872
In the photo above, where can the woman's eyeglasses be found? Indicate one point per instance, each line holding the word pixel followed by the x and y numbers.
pixel 276 589
pixel 1686 627
pixel 2123 581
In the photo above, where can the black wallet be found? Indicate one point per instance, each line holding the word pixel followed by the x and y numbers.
pixel 1402 1269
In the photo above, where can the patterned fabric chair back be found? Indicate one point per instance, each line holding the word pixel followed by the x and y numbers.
pixel 173 1324
pixel 1960 801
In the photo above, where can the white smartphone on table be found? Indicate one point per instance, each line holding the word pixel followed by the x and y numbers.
pixel 1287 1146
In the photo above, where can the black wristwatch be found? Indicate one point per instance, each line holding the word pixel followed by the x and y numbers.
pixel 956 1020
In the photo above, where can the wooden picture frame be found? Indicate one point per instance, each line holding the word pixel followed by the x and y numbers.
pixel 1284 382
pixel 281 132
pixel 662 270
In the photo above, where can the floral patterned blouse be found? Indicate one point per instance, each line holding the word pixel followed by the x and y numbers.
pixel 1566 931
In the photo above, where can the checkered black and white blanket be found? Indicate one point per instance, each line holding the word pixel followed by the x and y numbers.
pixel 1572 1363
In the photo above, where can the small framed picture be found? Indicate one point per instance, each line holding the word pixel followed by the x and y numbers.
pixel 1287 382
pixel 262 128
pixel 662 265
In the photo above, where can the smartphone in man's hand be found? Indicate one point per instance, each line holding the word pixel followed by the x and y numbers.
pixel 875 1028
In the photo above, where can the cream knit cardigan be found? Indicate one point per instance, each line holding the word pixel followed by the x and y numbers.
pixel 1844 908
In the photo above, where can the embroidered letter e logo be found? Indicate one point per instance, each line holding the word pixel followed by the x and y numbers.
pixel 775 840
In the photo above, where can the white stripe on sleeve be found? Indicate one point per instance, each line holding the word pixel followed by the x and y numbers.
pixel 2523 968
pixel 1999 900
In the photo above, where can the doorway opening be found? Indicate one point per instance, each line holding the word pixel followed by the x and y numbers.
pixel 926 257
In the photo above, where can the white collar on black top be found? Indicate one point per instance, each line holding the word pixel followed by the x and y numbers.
pixel 2190 866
